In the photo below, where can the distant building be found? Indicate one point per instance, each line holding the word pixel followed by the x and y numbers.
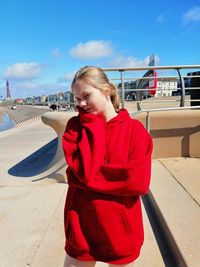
pixel 53 98
pixel 29 100
pixel 129 89
pixel 19 101
pixel 59 98
pixel 194 73
pixel 68 97
pixel 165 86
pixel 40 100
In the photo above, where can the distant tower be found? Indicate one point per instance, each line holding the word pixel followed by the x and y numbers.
pixel 152 60
pixel 7 90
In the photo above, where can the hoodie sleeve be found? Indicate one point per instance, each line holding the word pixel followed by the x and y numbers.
pixel 84 145
pixel 133 177
pixel 84 148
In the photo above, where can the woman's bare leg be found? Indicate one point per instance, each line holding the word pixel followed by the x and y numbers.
pixel 72 262
pixel 122 265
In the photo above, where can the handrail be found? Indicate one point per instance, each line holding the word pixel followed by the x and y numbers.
pixel 148 111
pixel 138 90
pixel 154 68
pixel 159 77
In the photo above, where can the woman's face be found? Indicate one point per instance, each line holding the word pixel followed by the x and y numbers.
pixel 89 98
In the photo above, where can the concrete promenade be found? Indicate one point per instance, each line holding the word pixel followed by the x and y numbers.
pixel 31 204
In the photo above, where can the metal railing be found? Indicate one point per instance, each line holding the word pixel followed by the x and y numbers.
pixel 180 77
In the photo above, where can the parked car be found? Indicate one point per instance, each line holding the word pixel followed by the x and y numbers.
pixel 13 107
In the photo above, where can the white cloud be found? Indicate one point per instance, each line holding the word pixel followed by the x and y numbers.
pixel 91 50
pixel 56 52
pixel 23 71
pixel 192 14
pixel 67 77
pixel 160 18
pixel 29 85
pixel 130 62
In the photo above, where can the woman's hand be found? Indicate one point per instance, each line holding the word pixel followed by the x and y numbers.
pixel 80 110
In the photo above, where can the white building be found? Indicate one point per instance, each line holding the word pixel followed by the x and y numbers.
pixel 40 100
pixel 29 100
pixel 165 86
pixel 68 97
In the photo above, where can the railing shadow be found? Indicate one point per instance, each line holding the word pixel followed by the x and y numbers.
pixel 37 162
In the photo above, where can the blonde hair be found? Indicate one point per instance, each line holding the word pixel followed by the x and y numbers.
pixel 97 78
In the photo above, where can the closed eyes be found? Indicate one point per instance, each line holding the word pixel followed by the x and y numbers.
pixel 84 98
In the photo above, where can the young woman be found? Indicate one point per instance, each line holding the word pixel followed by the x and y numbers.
pixel 109 166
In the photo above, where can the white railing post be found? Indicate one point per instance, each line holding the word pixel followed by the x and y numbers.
pixel 148 121
pixel 122 87
pixel 182 103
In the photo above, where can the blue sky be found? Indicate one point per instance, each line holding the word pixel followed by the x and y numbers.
pixel 43 43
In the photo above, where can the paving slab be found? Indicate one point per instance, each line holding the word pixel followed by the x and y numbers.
pixel 25 215
pixel 180 211
pixel 187 172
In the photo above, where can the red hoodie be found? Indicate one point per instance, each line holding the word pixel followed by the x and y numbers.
pixel 109 167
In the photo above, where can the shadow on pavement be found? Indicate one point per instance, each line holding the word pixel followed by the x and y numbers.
pixel 37 162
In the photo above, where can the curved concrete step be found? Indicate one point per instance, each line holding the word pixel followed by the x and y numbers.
pixel 178 206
